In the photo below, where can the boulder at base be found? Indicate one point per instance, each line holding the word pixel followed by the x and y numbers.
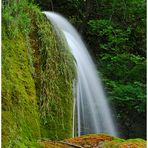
pixel 95 141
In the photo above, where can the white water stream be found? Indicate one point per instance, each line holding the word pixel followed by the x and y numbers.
pixel 93 114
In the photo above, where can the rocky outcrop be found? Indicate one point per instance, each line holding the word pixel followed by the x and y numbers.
pixel 106 141
pixel 95 141
pixel 37 78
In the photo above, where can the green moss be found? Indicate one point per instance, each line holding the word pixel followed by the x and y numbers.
pixel 118 139
pixel 118 142
pixel 37 78
pixel 19 101
pixel 57 74
pixel 136 140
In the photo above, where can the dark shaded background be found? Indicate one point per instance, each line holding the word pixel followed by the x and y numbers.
pixel 115 32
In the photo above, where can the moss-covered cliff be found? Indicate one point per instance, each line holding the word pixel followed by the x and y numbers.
pixel 37 77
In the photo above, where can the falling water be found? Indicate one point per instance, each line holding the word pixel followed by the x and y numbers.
pixel 92 109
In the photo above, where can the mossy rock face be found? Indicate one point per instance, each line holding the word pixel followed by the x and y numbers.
pixel 37 78
pixel 56 84
pixel 20 118
pixel 90 140
pixel 57 144
pixel 105 141
pixel 121 143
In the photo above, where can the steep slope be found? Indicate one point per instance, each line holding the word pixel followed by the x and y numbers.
pixel 37 78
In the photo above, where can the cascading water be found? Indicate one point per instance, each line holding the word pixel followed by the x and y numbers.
pixel 92 109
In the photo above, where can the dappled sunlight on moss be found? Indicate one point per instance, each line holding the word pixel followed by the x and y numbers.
pixel 106 141
pixel 90 140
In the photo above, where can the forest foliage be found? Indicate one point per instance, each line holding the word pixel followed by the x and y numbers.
pixel 115 32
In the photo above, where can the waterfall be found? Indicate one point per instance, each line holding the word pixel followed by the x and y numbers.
pixel 93 114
